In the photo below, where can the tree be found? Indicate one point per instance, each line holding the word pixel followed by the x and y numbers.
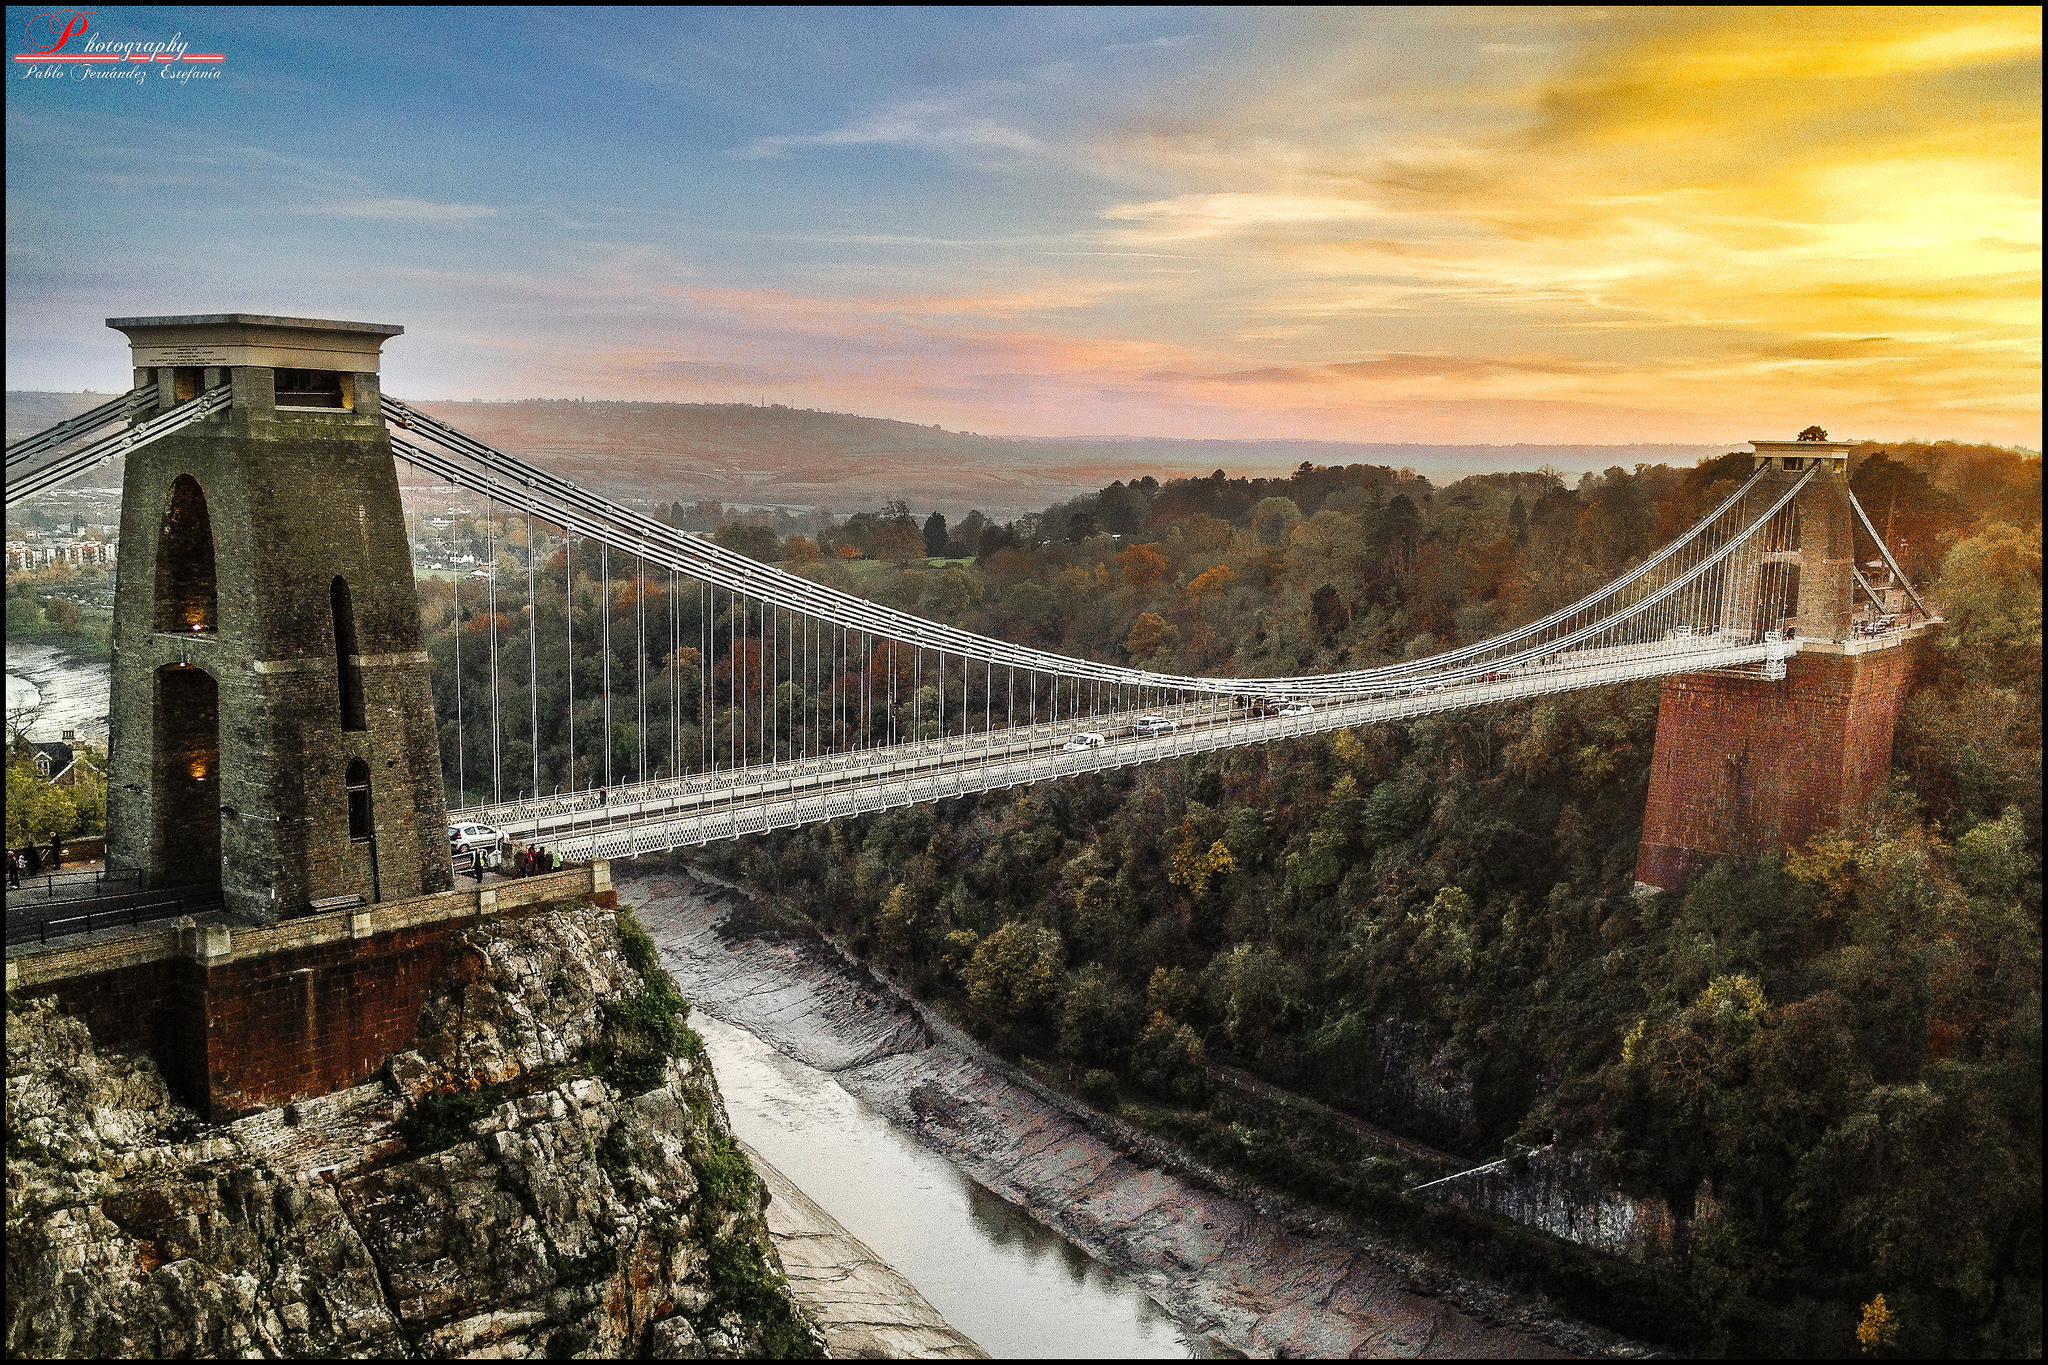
pixel 1813 434
pixel 935 535
pixel 1879 1326
pixel 966 537
pixel 1991 586
pixel 1915 518
pixel 898 541
pixel 23 716
pixel 1097 1017
pixel 755 542
pixel 1015 972
pixel 1253 988
pixel 1328 611
pixel 35 809
pixel 801 550
pixel 1273 518
pixel 994 540
pixel 1141 564
pixel 1152 634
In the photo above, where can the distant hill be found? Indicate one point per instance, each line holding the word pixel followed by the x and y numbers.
pixel 28 411
pixel 796 457
pixel 792 456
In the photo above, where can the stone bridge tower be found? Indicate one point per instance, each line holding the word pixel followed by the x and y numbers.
pixel 1748 765
pixel 272 724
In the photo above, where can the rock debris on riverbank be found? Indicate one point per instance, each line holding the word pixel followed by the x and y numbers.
pixel 1238 1271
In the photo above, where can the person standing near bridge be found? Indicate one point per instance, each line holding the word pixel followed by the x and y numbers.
pixel 13 870
pixel 56 853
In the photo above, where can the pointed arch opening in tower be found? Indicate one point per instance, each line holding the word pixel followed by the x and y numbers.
pixel 185 849
pixel 348 668
pixel 187 587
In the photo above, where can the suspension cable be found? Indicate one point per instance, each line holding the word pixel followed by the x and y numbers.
pixel 490 553
pixel 533 658
pixel 569 618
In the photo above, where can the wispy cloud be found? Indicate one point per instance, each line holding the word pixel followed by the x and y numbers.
pixel 1470 224
pixel 1188 217
pixel 402 211
pixel 937 124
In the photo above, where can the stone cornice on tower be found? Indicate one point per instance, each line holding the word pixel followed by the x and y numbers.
pixel 232 340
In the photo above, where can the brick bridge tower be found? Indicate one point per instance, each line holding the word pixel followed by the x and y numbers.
pixel 272 725
pixel 1749 765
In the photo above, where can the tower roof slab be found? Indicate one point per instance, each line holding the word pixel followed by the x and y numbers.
pixel 235 339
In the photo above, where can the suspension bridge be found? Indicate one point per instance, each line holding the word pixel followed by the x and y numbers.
pixel 810 704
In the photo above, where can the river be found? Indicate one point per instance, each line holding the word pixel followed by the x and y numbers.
pixel 72 696
pixel 989 1268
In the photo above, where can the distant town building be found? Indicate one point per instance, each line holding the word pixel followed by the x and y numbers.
pixel 25 555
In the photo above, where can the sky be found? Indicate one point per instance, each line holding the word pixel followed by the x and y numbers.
pixel 1434 225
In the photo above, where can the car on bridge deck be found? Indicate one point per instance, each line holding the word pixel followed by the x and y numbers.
pixel 1258 706
pixel 1144 727
pixel 483 841
pixel 1297 708
pixel 1087 739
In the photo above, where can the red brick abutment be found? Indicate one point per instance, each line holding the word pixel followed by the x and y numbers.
pixel 245 1019
pixel 1748 767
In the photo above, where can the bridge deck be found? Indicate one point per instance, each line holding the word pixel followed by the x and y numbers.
pixel 703 808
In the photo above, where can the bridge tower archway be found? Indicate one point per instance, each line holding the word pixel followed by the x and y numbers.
pixel 186 731
pixel 187 584
pixel 265 551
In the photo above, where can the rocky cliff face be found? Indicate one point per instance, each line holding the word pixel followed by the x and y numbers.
pixel 551 1173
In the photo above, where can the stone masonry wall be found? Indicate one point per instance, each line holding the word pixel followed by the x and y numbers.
pixel 293 501
pixel 1750 767
pixel 246 1031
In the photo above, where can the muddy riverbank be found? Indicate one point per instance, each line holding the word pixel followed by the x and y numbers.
pixel 1239 1267
pixel 64 692
pixel 866 1309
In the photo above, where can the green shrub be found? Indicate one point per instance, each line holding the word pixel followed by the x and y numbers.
pixel 1099 1088
pixel 438 1122
pixel 741 1282
pixel 725 1178
pixel 640 950
pixel 642 1031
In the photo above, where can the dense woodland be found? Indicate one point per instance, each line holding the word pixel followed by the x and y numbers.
pixel 1828 1064
pixel 1833 1057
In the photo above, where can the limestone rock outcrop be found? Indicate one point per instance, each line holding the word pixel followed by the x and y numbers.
pixel 509 1189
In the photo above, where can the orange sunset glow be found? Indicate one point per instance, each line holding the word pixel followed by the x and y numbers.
pixel 1432 225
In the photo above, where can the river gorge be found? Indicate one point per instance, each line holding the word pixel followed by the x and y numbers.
pixel 829 1071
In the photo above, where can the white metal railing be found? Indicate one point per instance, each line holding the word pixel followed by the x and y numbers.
pixel 781 800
